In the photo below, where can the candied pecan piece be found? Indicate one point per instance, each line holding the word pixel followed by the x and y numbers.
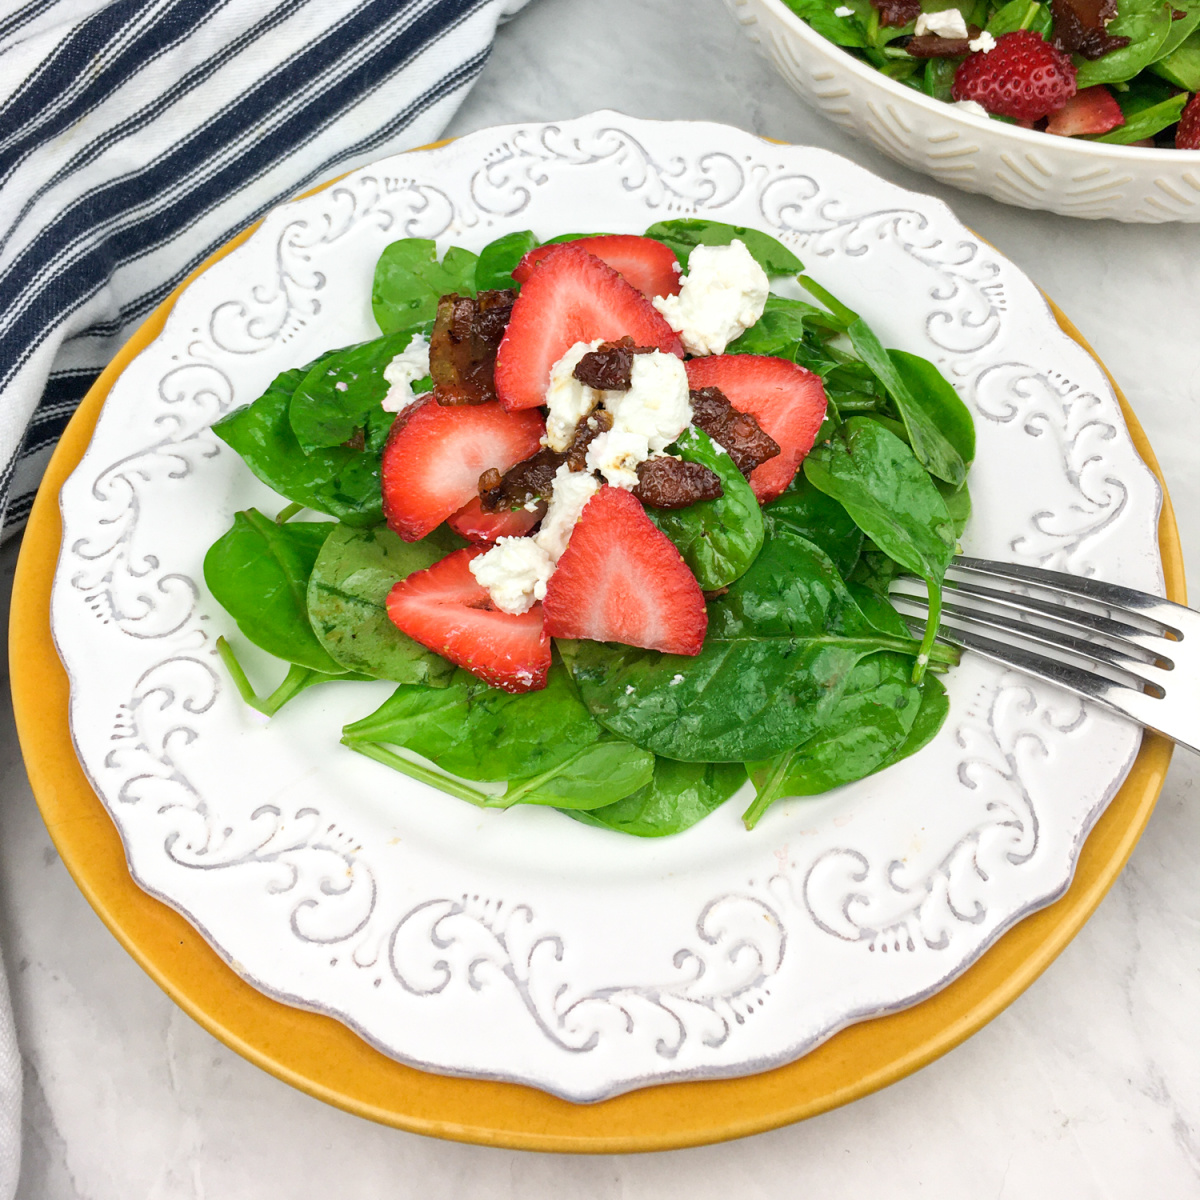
pixel 930 45
pixel 599 422
pixel 462 347
pixel 610 366
pixel 667 482
pixel 897 12
pixel 1080 27
pixel 532 479
pixel 739 433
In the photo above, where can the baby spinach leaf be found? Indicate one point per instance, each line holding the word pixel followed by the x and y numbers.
pixel 347 593
pixel 481 732
pixel 958 504
pixel 931 716
pixel 498 260
pixel 718 539
pixel 1180 66
pixel 1181 29
pixel 571 237
pixel 780 647
pixel 790 329
pixel 409 281
pixel 683 236
pixel 1143 120
pixel 258 571
pixel 341 395
pixel 878 609
pixel 875 477
pixel 933 448
pixel 871 719
pixel 297 680
pixel 679 795
pixel 940 403
pixel 938 79
pixel 1020 14
pixel 1148 24
pixel 822 520
pixel 596 776
pixel 842 31
pixel 341 482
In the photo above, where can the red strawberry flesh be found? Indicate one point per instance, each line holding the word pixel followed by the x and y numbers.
pixel 445 609
pixel 476 525
pixel 649 265
pixel 570 297
pixel 787 401
pixel 1187 136
pixel 1023 77
pixel 1092 111
pixel 433 459
pixel 621 580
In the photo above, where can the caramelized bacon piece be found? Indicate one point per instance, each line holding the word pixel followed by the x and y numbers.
pixel 610 366
pixel 672 483
pixel 897 12
pixel 745 441
pixel 462 347
pixel 1080 27
pixel 533 479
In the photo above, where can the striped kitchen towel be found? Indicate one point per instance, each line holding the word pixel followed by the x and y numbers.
pixel 137 136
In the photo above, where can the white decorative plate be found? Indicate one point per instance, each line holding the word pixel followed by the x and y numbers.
pixel 522 945
pixel 1066 175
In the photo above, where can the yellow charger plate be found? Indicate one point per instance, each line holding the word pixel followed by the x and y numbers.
pixel 324 1058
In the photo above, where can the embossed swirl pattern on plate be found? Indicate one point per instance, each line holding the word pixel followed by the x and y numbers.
pixel 762 944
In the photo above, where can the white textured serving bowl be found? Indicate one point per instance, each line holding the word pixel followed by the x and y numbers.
pixel 1015 165
pixel 521 945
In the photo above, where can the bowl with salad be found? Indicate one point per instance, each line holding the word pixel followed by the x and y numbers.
pixel 476 609
pixel 1079 107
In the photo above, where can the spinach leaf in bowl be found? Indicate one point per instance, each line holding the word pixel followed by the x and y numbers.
pixel 1147 23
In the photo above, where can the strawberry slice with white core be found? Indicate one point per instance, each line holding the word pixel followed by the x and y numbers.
pixel 621 580
pixel 649 265
pixel 474 523
pixel 787 401
pixel 570 297
pixel 1091 111
pixel 446 610
pixel 435 455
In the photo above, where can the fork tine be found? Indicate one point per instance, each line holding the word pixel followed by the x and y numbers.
pixel 1078 620
pixel 1170 615
pixel 1176 722
pixel 1136 671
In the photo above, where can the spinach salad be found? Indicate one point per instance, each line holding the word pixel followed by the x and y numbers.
pixel 808 678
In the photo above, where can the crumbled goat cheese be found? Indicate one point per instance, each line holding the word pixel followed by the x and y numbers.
pixel 629 689
pixel 568 400
pixel 973 107
pixel 403 371
pixel 572 490
pixel 676 680
pixel 341 386
pixel 722 295
pixel 647 418
pixel 843 12
pixel 514 572
pixel 984 42
pixel 948 24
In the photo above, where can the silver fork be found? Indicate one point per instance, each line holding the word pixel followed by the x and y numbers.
pixel 1122 648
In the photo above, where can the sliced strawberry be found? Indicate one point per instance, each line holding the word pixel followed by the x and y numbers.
pixel 1187 135
pixel 434 457
pixel 1093 110
pixel 650 266
pixel 476 525
pixel 1023 76
pixel 571 297
pixel 445 609
pixel 786 400
pixel 621 580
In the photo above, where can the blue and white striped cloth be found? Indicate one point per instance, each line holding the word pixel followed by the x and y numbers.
pixel 137 136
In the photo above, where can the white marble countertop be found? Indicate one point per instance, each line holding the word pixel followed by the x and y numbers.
pixel 1088 1086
